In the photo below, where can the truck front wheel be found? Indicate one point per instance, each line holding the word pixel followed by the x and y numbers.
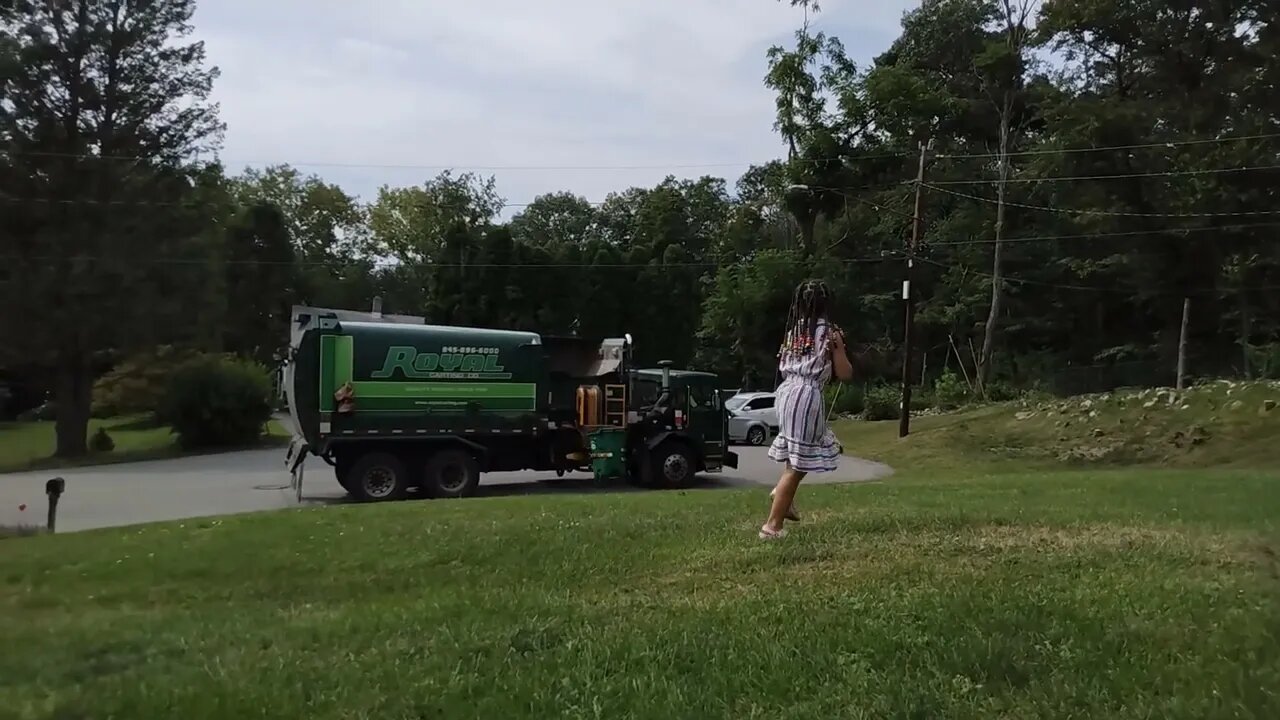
pixel 376 477
pixel 673 465
pixel 451 474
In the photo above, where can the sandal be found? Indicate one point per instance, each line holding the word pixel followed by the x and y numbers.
pixel 767 534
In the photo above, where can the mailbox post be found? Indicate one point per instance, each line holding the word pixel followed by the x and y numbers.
pixel 54 489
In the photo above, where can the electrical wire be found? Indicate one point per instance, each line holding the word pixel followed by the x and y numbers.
pixel 1118 176
pixel 1089 288
pixel 1104 213
pixel 844 157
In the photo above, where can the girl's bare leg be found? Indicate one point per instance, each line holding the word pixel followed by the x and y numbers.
pixel 783 496
pixel 792 514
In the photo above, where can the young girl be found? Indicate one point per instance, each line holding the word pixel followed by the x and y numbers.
pixel 811 350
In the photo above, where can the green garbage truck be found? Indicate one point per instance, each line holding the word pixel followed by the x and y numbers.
pixel 395 405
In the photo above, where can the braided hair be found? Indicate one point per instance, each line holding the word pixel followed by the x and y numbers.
pixel 809 307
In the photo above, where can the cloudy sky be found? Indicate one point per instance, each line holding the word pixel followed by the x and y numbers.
pixel 392 91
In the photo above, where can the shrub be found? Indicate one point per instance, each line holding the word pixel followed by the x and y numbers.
pixel 844 398
pixel 138 384
pixel 101 442
pixel 950 391
pixel 216 402
pixel 883 402
pixel 1002 391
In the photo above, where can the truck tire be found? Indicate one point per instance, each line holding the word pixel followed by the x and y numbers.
pixel 673 465
pixel 378 477
pixel 757 435
pixel 451 473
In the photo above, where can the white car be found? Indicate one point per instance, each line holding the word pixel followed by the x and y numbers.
pixel 753 419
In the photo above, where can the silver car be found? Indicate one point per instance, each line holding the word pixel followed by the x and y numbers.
pixel 753 418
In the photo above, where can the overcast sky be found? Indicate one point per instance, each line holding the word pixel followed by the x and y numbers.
pixel 523 90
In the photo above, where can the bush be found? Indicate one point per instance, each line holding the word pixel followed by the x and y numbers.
pixel 950 391
pixel 138 384
pixel 215 402
pixel 101 442
pixel 883 402
pixel 844 398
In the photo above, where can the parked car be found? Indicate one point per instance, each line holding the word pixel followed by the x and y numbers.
pixel 753 418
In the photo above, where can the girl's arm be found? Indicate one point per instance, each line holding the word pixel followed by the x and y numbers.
pixel 839 355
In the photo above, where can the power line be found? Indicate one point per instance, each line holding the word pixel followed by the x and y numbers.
pixel 1088 236
pixel 673 166
pixel 1143 146
pixel 1105 213
pixel 230 203
pixel 1118 176
pixel 382 264
pixel 1094 288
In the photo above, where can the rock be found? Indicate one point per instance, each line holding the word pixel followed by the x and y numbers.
pixel 1268 406
pixel 1086 404
pixel 1149 404
pixel 1098 432
pixel 1026 415
pixel 1093 413
pixel 1236 405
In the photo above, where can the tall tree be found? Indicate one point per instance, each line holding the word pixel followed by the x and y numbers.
pixel 261 281
pixel 103 116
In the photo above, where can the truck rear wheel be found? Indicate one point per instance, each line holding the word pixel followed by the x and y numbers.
pixel 673 466
pixel 377 477
pixel 451 474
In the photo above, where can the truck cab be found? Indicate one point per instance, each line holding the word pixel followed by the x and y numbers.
pixel 696 416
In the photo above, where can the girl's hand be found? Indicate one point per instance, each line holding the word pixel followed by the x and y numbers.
pixel 836 341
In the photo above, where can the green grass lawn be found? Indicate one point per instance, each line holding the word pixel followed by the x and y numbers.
pixel 1218 425
pixel 30 445
pixel 1103 594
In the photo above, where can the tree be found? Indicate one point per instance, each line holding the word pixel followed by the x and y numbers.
pixel 261 279
pixel 102 116
pixel 1002 67
pixel 330 233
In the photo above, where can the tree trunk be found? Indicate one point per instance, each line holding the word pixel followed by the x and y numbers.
pixel 997 261
pixel 1246 329
pixel 73 399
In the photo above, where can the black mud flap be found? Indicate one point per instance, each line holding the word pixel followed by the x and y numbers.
pixel 731 459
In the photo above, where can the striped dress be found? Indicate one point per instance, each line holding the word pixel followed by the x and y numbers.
pixel 804 441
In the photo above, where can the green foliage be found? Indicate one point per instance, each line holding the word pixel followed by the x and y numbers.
pixel 101 441
pixel 845 399
pixel 883 402
pixel 950 391
pixel 1265 360
pixel 130 84
pixel 698 273
pixel 139 383
pixel 216 402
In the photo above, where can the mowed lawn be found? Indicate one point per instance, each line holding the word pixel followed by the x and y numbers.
pixel 1134 594
pixel 30 445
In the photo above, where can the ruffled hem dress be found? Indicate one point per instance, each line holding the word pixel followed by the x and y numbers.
pixel 804 440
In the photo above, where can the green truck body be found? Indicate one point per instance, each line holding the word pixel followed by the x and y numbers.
pixel 396 404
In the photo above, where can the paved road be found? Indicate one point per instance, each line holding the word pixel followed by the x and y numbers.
pixel 127 494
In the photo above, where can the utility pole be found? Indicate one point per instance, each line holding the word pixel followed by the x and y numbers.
pixel 909 305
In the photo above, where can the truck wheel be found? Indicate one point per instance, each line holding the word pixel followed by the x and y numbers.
pixel 451 474
pixel 377 477
pixel 673 466
pixel 756 436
